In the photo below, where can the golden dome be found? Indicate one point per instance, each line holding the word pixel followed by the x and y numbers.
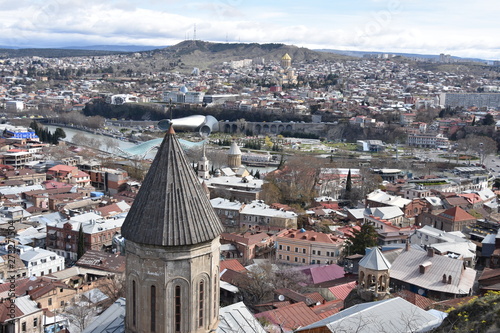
pixel 286 57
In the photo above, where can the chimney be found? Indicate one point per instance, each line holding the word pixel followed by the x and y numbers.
pixel 407 246
pixel 430 252
pixel 424 267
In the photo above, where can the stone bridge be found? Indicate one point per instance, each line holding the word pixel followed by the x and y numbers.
pixel 262 128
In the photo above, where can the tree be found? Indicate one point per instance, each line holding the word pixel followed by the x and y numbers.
pixel 81 243
pixel 361 239
pixel 348 183
pixel 488 120
pixel 294 182
pixel 257 285
pixel 58 134
pixel 80 313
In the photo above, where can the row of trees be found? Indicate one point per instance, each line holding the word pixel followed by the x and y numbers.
pixel 45 135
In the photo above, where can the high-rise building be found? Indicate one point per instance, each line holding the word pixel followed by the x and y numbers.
pixel 172 250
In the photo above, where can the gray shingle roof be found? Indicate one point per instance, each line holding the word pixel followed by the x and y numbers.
pixel 171 208
pixel 375 260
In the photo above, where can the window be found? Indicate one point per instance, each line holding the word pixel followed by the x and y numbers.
pixel 319 253
pixel 281 247
pixel 303 250
pixel 288 248
pixel 50 301
pixel 153 309
pixel 296 259
pixel 62 303
pixel 327 253
pixel 281 257
pixel 201 303
pixel 303 260
pixel 319 262
pixel 23 326
pixel 134 305
pixel 296 249
pixel 35 322
pixel 287 258
pixel 313 261
pixel 177 304
pixel 314 251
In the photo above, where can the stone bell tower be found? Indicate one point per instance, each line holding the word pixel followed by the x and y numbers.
pixel 172 250
pixel 373 277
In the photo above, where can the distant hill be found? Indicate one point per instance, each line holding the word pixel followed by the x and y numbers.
pixel 118 48
pixel 195 53
pixel 407 55
pixel 51 53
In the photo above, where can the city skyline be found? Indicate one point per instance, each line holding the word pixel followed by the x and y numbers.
pixel 465 29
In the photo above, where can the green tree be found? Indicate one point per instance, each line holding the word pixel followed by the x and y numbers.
pixel 361 239
pixel 81 243
pixel 488 120
pixel 348 183
pixel 59 134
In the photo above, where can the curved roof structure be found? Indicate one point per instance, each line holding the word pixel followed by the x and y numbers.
pixel 171 208
pixel 144 148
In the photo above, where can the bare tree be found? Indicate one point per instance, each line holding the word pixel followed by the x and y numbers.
pixel 80 314
pixel 258 284
pixel 114 287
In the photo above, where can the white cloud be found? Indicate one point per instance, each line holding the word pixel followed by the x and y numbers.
pixel 459 27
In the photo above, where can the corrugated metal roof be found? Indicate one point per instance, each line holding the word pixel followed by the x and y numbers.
pixel 372 317
pixel 237 318
pixel 341 291
pixel 110 321
pixel 406 268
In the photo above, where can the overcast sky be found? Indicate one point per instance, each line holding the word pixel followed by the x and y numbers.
pixel 458 27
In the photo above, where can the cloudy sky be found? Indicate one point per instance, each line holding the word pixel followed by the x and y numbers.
pixel 462 28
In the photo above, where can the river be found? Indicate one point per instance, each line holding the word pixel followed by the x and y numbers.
pixel 105 146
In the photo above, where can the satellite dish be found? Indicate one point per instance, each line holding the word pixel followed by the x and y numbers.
pixel 164 124
pixel 281 298
pixel 421 292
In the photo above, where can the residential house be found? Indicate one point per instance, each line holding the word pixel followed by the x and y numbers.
pixel 69 174
pixel 431 275
pixel 62 237
pixel 28 317
pixel 306 247
pixel 452 244
pixel 40 262
pixel 393 315
pixel 453 219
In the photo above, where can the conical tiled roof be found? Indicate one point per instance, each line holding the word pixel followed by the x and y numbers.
pixel 375 260
pixel 234 149
pixel 171 208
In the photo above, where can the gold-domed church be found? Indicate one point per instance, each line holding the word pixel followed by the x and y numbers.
pixel 286 61
pixel 172 250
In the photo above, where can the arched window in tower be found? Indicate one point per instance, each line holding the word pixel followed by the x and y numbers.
pixel 177 310
pixel 215 290
pixel 153 309
pixel 201 303
pixel 134 304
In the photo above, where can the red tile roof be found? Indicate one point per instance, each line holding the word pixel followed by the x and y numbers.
pixel 291 317
pixel 232 264
pixel 457 214
pixel 341 291
pixel 415 299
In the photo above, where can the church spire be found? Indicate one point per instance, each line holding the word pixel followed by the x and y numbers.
pixel 171 208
